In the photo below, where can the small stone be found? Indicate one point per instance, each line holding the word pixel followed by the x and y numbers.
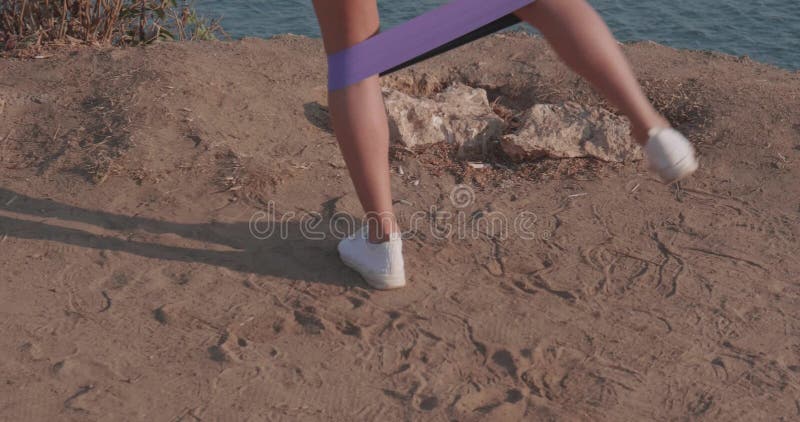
pixel 337 162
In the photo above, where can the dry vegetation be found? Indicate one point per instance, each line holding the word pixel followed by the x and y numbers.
pixel 29 25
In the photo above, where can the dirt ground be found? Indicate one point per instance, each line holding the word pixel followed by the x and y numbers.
pixel 132 285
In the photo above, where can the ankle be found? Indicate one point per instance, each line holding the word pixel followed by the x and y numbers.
pixel 382 230
pixel 382 235
pixel 641 133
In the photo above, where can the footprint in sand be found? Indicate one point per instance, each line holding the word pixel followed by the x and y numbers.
pixel 308 319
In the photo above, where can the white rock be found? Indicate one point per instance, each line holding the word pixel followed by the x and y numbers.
pixel 570 130
pixel 459 115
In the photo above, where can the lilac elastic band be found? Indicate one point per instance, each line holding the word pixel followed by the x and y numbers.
pixel 414 38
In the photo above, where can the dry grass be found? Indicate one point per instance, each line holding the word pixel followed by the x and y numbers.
pixel 680 102
pixel 32 24
pixel 245 180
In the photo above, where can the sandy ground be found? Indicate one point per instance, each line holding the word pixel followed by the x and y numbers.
pixel 132 288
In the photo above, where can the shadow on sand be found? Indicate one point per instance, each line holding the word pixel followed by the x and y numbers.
pixel 287 253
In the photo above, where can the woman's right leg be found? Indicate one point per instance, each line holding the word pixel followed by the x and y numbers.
pixel 358 113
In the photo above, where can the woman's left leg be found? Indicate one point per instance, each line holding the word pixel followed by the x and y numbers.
pixel 358 114
pixel 359 120
pixel 583 41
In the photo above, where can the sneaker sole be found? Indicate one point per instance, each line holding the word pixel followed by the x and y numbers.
pixel 377 281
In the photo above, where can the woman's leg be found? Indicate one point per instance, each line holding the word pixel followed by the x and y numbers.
pixel 358 113
pixel 583 41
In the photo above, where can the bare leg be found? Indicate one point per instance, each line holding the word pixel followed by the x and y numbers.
pixel 583 41
pixel 358 113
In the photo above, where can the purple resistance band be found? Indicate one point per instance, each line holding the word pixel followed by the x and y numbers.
pixel 414 38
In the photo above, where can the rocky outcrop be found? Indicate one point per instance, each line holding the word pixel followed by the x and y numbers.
pixel 570 130
pixel 458 115
pixel 462 115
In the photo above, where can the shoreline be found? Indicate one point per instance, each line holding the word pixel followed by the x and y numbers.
pixel 55 49
pixel 795 68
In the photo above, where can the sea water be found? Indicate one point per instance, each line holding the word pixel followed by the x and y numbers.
pixel 765 30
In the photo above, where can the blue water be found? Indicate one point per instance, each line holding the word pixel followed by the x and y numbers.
pixel 765 30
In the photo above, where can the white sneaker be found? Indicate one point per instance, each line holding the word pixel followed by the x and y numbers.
pixel 670 154
pixel 381 264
